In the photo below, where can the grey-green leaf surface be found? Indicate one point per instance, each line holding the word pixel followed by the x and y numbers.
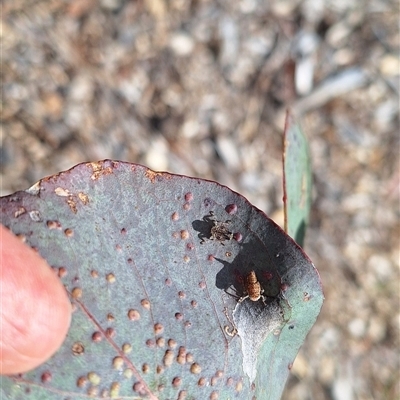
pixel 154 265
pixel 296 180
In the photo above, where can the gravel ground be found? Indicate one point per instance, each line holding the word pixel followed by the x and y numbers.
pixel 200 88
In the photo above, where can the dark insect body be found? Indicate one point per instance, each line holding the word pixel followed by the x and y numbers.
pixel 253 288
pixel 219 230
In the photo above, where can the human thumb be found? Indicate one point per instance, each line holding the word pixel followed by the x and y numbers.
pixel 35 312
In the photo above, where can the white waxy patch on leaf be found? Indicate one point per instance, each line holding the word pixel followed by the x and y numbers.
pixel 254 321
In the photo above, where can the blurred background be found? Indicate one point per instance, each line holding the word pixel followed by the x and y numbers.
pixel 200 88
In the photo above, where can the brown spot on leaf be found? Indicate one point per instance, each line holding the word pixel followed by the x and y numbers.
pixel 110 278
pixel 195 368
pixel 182 395
pixel 229 381
pixel 193 303
pixel 81 381
pixel 133 315
pixel 21 237
pixel 238 236
pixel 189 196
pixel 76 293
pixel 118 363
pixel 175 216
pixel 84 198
pixel 128 373
pixel 97 336
pixel 62 192
pixel 214 395
pixel 189 357
pixel 160 342
pixel 53 224
pixel 92 391
pixel 94 273
pixel 239 386
pixel 284 286
pixel 186 206
pixel 72 205
pixel 202 381
pixel 181 358
pixel 231 209
pixel 184 234
pixel 145 368
pixel 139 387
pixel 153 175
pixel 168 282
pixel 69 232
pixel 150 343
pixel 19 212
pixel 177 381
pixel 114 389
pixel 268 275
pixel 158 328
pixel 168 358
pixel 110 317
pixel 126 348
pixel 46 377
pixel 110 332
pixel 159 369
pixel 62 271
pixel 145 304
pixel 178 316
pixel 186 259
pixel 171 343
pixel 99 169
pixel 93 378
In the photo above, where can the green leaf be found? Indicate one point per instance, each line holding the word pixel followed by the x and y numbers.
pixel 296 180
pixel 154 264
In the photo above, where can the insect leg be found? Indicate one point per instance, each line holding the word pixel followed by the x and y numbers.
pixel 243 298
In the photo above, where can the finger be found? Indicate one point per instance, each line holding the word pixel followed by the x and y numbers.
pixel 35 311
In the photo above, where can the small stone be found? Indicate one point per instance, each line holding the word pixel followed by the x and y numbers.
pixel 389 65
pixel 181 44
pixel 357 327
pixel 376 329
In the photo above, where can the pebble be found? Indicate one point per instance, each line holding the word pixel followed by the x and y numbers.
pixel 181 44
pixel 390 65
pixel 357 328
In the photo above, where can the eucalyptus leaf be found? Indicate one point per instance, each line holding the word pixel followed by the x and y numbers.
pixel 296 179
pixel 155 268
